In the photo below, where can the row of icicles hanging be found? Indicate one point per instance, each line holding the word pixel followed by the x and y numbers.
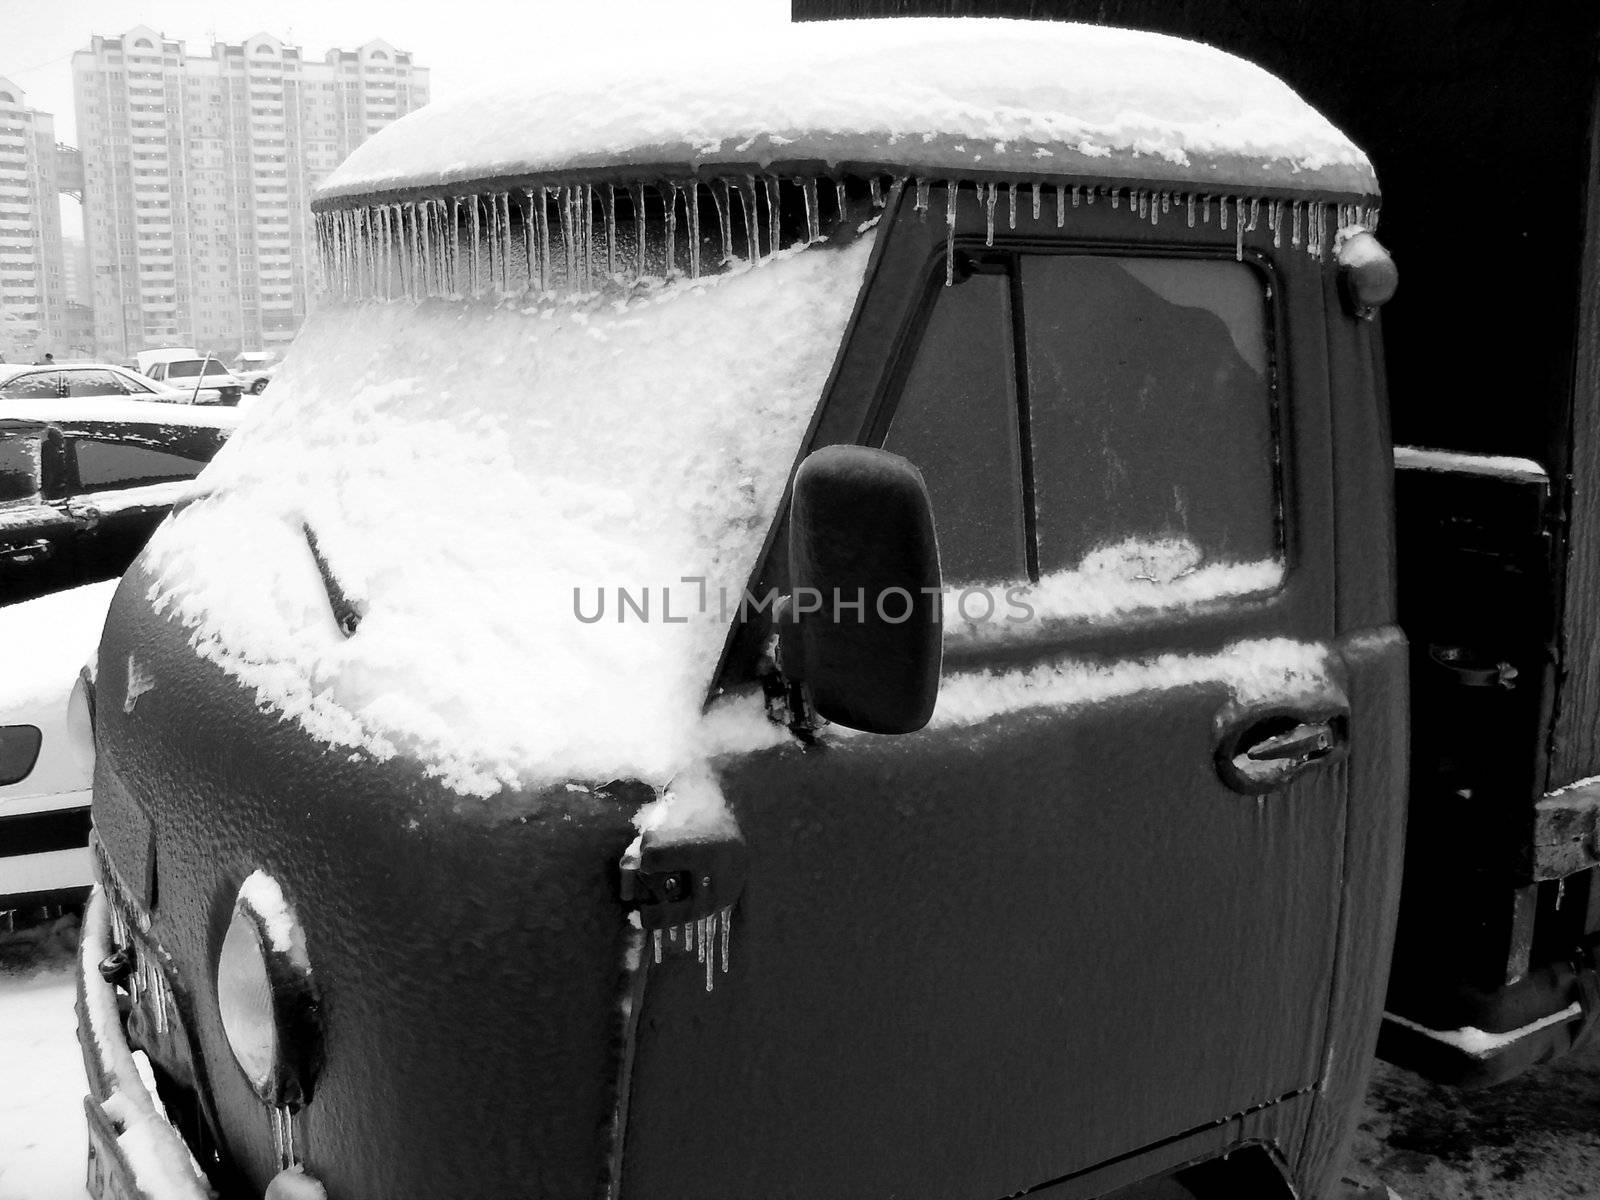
pixel 571 239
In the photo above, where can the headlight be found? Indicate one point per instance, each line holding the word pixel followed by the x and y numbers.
pixel 267 997
pixel 19 750
pixel 80 724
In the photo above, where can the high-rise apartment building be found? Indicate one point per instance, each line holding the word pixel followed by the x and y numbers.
pixel 32 276
pixel 198 175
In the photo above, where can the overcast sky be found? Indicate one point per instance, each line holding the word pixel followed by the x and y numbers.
pixel 461 42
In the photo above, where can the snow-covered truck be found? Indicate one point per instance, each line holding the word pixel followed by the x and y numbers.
pixel 1493 362
pixel 815 622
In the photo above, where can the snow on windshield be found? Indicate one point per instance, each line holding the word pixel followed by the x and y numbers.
pixel 467 469
pixel 927 94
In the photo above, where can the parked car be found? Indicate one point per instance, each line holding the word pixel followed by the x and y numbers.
pixel 255 369
pixel 417 876
pixel 204 379
pixel 46 747
pixel 77 380
pixel 143 360
pixel 83 482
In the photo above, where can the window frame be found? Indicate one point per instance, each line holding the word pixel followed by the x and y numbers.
pixel 909 257
pixel 1006 254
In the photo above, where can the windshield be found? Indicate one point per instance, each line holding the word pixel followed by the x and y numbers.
pixel 477 477
pixel 191 368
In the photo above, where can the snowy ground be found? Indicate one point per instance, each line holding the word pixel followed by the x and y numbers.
pixel 1536 1138
pixel 42 1140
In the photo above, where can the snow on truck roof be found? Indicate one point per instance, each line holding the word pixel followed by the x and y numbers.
pixel 958 96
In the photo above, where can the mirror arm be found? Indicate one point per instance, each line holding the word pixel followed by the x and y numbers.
pixel 787 699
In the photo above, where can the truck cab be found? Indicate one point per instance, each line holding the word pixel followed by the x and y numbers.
pixel 872 670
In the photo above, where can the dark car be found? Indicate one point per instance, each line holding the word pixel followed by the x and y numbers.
pixel 82 485
pixel 45 381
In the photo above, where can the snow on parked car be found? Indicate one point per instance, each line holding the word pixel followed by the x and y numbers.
pixel 80 380
pixel 46 747
pixel 83 482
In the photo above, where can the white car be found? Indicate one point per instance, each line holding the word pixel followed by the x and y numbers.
pixel 46 747
pixel 43 381
pixel 255 369
pixel 217 385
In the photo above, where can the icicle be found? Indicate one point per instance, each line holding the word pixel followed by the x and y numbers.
pixel 839 197
pixel 950 189
pixel 1011 205
pixel 413 250
pixel 611 230
pixel 586 239
pixel 808 189
pixel 874 191
pixel 475 224
pixel 688 935
pixel 380 221
pixel 1036 190
pixel 1222 214
pixel 1189 205
pixel 671 199
pixel 1116 197
pixel 1166 202
pixel 1205 210
pixel 709 959
pixel 991 193
pixel 408 256
pixel 1238 225
pixel 637 193
pixel 1294 220
pixel 752 249
pixel 1077 195
pixel 921 204
pixel 1089 193
pixel 546 264
pixel 672 934
pixel 505 243
pixel 1061 204
pixel 527 243
pixel 691 201
pixel 774 213
pixel 719 201
pixel 655 938
pixel 1139 202
pixel 725 919
pixel 1155 210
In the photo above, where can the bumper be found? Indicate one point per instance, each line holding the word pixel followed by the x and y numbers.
pixel 134 1154
pixel 45 854
pixel 1470 1057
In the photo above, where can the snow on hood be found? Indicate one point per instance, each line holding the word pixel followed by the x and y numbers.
pixel 931 95
pixel 47 640
pixel 464 467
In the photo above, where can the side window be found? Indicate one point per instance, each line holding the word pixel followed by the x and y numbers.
pixel 1151 413
pixel 106 463
pixel 93 383
pixel 32 386
pixel 957 420
pixel 19 466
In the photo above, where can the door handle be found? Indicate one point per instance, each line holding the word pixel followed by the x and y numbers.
pixel 26 555
pixel 1261 750
pixel 1302 743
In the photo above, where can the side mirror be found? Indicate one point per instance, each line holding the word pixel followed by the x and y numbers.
pixel 863 628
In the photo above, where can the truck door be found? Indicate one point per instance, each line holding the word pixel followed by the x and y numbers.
pixel 1094 904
